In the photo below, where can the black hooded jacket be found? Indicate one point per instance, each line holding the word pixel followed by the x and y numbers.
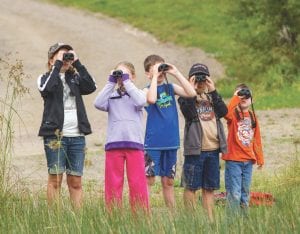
pixel 51 89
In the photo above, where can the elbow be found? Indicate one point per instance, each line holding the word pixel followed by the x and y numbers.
pixel 192 93
pixel 98 106
pixel 151 100
pixel 142 102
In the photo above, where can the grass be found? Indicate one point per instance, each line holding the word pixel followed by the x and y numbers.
pixel 24 212
pixel 205 24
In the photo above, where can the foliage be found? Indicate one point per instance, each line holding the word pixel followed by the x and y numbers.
pixel 11 81
pixel 257 41
pixel 268 46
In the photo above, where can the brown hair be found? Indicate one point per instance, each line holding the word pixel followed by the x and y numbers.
pixel 242 86
pixel 152 60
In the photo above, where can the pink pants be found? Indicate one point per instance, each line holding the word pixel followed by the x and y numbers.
pixel 114 178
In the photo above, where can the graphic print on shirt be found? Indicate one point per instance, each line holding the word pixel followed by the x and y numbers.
pixel 205 110
pixel 69 101
pixel 164 101
pixel 245 132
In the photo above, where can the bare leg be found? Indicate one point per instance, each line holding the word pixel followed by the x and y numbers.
pixel 53 188
pixel 208 203
pixel 75 189
pixel 168 191
pixel 150 182
pixel 189 199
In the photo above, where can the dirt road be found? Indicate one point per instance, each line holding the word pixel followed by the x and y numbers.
pixel 29 27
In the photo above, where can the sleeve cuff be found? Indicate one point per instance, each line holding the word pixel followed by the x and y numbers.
pixel 112 79
pixel 125 77
pixel 77 63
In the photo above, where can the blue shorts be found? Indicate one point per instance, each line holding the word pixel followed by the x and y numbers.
pixel 201 171
pixel 161 163
pixel 66 155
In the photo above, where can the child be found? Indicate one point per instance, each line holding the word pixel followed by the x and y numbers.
pixel 162 130
pixel 64 121
pixel 125 141
pixel 204 138
pixel 244 148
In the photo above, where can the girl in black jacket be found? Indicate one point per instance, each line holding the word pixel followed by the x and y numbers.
pixel 64 124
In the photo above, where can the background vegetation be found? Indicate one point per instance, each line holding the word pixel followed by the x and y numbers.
pixel 257 41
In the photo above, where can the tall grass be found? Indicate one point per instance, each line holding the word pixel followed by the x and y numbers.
pixel 11 82
pixel 25 213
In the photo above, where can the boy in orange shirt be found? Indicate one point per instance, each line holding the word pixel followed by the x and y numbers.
pixel 244 148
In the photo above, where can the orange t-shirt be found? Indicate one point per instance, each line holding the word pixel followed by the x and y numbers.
pixel 244 142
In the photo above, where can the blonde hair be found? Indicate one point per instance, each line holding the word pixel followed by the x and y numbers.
pixel 128 65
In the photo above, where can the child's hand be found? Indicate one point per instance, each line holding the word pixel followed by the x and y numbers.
pixel 235 93
pixel 60 55
pixel 210 84
pixel 172 70
pixel 259 167
pixel 155 72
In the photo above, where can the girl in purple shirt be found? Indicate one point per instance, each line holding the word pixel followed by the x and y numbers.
pixel 124 103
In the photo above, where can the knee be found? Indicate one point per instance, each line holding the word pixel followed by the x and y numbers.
pixel 167 182
pixel 54 185
pixel 74 184
pixel 54 182
pixel 150 180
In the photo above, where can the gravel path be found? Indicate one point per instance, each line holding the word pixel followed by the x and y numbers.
pixel 28 28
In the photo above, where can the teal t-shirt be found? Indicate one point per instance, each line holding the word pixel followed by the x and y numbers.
pixel 162 128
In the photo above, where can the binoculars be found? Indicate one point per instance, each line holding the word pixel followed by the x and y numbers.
pixel 200 77
pixel 244 92
pixel 163 67
pixel 117 74
pixel 68 57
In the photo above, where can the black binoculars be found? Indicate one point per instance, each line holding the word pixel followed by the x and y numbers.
pixel 163 67
pixel 117 74
pixel 68 57
pixel 244 92
pixel 200 77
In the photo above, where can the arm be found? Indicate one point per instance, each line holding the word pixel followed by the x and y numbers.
pixel 101 101
pixel 220 107
pixel 186 89
pixel 137 95
pixel 188 108
pixel 48 82
pixel 234 101
pixel 86 82
pixel 257 145
pixel 151 92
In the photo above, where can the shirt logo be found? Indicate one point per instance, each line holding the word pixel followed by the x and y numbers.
pixel 245 132
pixel 205 110
pixel 164 101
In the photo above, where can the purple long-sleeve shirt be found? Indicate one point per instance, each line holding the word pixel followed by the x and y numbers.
pixel 125 115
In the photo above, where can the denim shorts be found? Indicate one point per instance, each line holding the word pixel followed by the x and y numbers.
pixel 161 163
pixel 201 171
pixel 65 155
